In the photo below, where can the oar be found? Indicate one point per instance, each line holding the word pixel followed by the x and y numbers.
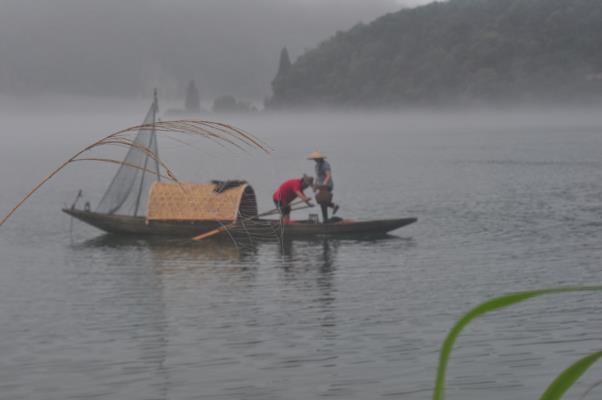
pixel 224 228
pixel 233 224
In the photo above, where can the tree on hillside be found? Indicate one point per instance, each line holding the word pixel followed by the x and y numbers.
pixel 193 101
pixel 284 67
pixel 453 51
pixel 285 63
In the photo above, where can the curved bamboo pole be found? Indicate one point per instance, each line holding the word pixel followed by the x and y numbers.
pixel 215 131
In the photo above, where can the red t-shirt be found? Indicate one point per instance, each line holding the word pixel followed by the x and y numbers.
pixel 286 192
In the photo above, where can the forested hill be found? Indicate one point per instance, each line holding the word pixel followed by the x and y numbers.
pixel 459 51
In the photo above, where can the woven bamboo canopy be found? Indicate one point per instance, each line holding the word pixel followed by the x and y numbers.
pixel 200 202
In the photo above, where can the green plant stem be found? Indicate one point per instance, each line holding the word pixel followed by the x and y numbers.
pixel 569 376
pixel 483 308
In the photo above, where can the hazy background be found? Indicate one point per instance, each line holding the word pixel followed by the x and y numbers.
pixel 506 200
pixel 125 48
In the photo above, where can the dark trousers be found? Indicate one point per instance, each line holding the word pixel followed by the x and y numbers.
pixel 285 210
pixel 324 208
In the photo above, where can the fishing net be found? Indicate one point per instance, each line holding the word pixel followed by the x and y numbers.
pixel 128 191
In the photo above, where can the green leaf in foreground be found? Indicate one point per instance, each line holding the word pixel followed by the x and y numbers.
pixel 483 308
pixel 568 377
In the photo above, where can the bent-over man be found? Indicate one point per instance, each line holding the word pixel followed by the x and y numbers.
pixel 289 191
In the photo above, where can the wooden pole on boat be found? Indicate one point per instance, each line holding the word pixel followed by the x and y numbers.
pixel 233 224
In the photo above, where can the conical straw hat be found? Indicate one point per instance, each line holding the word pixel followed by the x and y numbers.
pixel 315 155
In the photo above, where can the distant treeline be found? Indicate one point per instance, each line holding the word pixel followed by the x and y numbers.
pixel 454 52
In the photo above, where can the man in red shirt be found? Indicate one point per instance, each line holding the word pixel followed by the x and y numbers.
pixel 289 191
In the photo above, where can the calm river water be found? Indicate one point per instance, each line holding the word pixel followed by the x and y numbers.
pixel 505 202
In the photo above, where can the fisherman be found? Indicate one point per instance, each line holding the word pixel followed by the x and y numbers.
pixel 324 184
pixel 289 191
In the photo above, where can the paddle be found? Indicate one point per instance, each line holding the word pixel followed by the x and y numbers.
pixel 228 226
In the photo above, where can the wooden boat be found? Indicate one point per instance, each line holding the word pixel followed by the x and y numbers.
pixel 137 202
pixel 190 209
pixel 123 224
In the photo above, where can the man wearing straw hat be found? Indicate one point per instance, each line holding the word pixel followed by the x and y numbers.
pixel 289 191
pixel 324 184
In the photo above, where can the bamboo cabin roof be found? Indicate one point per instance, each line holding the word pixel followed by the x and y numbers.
pixel 199 202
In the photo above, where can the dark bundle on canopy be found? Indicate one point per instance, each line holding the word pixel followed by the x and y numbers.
pixel 222 186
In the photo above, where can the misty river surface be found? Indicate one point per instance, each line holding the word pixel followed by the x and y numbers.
pixel 505 202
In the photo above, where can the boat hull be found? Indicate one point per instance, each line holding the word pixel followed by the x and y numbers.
pixel 120 224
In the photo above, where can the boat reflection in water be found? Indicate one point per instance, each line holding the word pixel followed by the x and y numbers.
pixel 151 296
pixel 163 252
pixel 192 316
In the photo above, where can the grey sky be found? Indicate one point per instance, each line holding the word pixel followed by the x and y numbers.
pixel 118 47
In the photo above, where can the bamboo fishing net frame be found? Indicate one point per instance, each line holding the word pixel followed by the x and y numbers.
pixel 222 134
